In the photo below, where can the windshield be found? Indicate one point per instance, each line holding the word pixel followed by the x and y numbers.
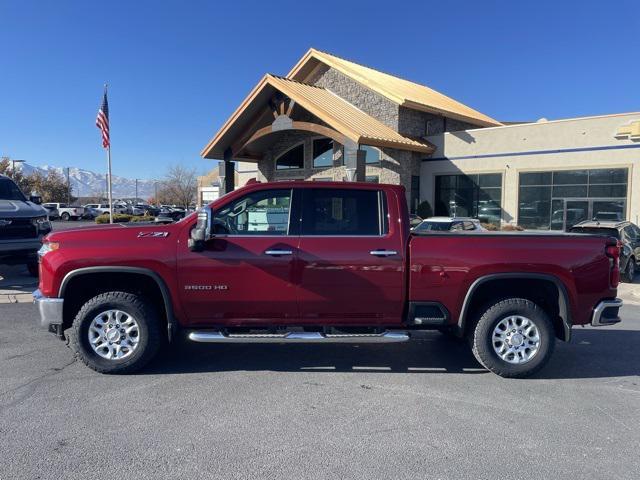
pixel 433 226
pixel 10 191
pixel 607 232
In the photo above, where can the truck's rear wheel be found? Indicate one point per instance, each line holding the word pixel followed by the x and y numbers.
pixel 65 216
pixel 116 332
pixel 513 338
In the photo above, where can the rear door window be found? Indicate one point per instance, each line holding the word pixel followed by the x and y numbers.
pixel 347 212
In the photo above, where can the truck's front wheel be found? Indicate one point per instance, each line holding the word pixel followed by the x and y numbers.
pixel 513 338
pixel 116 332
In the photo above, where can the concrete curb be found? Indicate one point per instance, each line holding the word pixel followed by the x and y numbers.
pixel 18 297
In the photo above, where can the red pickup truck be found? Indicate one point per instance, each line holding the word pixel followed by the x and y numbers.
pixel 319 262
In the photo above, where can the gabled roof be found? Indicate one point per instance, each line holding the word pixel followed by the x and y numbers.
pixel 328 107
pixel 403 92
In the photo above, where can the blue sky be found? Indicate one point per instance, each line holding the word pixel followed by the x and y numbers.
pixel 177 69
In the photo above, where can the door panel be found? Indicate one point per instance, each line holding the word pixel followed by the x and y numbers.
pixel 245 275
pixel 341 281
pixel 235 282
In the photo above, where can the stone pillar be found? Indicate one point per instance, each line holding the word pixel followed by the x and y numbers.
pixel 227 173
pixel 354 161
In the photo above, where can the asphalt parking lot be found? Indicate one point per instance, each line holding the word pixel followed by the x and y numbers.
pixel 424 409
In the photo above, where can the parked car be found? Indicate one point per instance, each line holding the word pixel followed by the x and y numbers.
pixel 23 224
pixel 345 269
pixel 149 209
pixel 102 208
pixel 90 213
pixel 628 236
pixel 65 211
pixel 453 224
pixel 52 212
pixel 172 213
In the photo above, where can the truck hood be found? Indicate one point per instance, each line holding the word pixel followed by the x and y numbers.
pixel 108 234
pixel 20 209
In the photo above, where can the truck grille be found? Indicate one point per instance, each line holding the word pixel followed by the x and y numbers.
pixel 19 228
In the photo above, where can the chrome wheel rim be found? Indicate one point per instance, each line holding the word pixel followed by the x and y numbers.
pixel 516 339
pixel 114 334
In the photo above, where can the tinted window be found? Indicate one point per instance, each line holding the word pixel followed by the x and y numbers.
pixel 607 232
pixel 292 159
pixel 372 154
pixel 259 213
pixel 340 212
pixel 630 233
pixel 322 152
pixel 469 226
pixel 433 226
pixel 9 190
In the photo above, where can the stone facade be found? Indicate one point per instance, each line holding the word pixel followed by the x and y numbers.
pixel 370 102
pixel 395 167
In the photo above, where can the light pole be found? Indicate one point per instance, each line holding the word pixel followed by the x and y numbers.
pixel 136 200
pixel 13 165
pixel 68 188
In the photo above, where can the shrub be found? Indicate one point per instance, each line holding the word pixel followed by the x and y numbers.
pixel 424 210
pixel 490 226
pixel 143 218
pixel 512 228
pixel 117 218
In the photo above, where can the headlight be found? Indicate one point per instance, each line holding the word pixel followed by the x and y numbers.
pixel 48 247
pixel 42 223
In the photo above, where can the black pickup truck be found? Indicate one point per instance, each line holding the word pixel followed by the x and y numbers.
pixel 23 223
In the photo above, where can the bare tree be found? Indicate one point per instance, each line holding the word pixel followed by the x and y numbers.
pixel 179 186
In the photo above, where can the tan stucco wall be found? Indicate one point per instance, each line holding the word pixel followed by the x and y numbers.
pixel 544 136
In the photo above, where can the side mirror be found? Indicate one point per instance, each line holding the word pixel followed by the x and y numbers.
pixel 37 199
pixel 201 233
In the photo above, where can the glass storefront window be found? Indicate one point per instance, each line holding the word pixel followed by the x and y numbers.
pixel 558 200
pixel 291 159
pixel 322 152
pixel 478 196
pixel 372 154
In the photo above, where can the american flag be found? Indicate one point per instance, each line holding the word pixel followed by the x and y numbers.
pixel 102 120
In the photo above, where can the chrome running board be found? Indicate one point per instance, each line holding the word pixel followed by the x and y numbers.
pixel 214 336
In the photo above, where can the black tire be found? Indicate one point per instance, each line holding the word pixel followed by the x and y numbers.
pixel 481 337
pixel 630 272
pixel 33 269
pixel 149 332
pixel 65 216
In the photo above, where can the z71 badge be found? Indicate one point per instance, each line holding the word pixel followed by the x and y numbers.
pixel 153 234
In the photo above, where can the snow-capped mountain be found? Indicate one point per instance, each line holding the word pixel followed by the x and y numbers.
pixel 85 183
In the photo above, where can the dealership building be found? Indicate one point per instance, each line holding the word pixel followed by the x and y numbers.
pixel 333 119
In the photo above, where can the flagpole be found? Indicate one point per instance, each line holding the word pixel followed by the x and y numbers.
pixel 110 193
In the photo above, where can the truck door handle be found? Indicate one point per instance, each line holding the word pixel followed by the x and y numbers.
pixel 383 253
pixel 278 252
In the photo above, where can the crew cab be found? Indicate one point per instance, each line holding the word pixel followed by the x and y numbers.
pixel 318 262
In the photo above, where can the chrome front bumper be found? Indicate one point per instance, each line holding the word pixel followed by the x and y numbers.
pixel 606 313
pixel 50 309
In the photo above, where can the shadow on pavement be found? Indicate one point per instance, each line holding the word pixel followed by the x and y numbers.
pixel 592 353
pixel 16 279
pixel 434 354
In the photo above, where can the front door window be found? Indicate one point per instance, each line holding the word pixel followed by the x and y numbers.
pixel 259 213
